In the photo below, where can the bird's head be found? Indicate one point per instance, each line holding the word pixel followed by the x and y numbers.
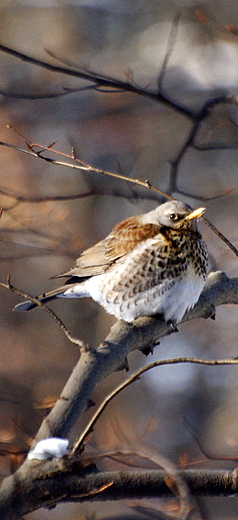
pixel 175 215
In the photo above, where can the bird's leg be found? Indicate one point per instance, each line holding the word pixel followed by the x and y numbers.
pixel 211 313
pixel 149 349
pixel 173 327
pixel 124 365
pixel 171 323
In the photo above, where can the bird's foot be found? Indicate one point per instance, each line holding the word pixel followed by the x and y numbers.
pixel 171 323
pixel 173 327
pixel 211 313
pixel 124 365
pixel 149 349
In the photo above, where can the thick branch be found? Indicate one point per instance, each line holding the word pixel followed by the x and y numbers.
pixel 112 353
pixel 42 484
pixel 36 484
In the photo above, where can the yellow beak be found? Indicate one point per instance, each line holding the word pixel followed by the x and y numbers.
pixel 197 213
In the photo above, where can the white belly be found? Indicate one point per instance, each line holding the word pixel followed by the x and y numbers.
pixel 171 300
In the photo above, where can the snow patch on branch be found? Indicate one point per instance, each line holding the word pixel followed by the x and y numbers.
pixel 52 448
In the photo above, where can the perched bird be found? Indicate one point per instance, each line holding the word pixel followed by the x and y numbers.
pixel 155 263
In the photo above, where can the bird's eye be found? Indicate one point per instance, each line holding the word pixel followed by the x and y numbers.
pixel 173 216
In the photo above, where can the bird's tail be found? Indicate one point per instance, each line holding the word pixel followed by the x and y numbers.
pixel 44 298
pixel 28 305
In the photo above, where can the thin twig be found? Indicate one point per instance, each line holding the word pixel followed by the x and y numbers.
pixel 220 235
pixel 204 452
pixel 82 165
pixel 99 80
pixel 65 92
pixel 176 483
pixel 79 445
pixel 88 168
pixel 170 48
pixel 45 198
pixel 82 346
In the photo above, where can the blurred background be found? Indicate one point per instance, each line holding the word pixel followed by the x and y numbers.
pixel 169 408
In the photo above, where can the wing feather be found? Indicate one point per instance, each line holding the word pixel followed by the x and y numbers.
pixel 124 237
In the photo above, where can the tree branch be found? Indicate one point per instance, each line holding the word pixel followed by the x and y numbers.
pixel 102 83
pixel 78 164
pixel 37 485
pixel 94 365
pixel 99 80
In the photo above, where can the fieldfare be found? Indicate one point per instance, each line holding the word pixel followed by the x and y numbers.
pixel 155 263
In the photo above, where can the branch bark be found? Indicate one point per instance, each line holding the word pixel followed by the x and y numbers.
pixel 36 484
pixel 94 366
pixel 41 484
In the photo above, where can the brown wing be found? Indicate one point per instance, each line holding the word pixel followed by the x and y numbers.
pixel 127 235
pixel 122 239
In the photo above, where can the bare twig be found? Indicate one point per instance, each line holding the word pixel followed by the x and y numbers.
pixel 65 92
pixel 104 83
pixel 202 197
pixel 173 477
pixel 78 446
pixel 170 48
pixel 83 166
pixel 220 235
pixel 204 452
pixel 92 367
pixel 46 198
pixel 59 322
pixel 190 141
pixel 99 81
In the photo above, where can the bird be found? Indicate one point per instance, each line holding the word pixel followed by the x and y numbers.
pixel 151 264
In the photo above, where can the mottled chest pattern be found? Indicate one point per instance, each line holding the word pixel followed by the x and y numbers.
pixel 164 260
pixel 184 249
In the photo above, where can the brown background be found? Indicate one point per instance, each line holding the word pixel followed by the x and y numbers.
pixel 137 137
